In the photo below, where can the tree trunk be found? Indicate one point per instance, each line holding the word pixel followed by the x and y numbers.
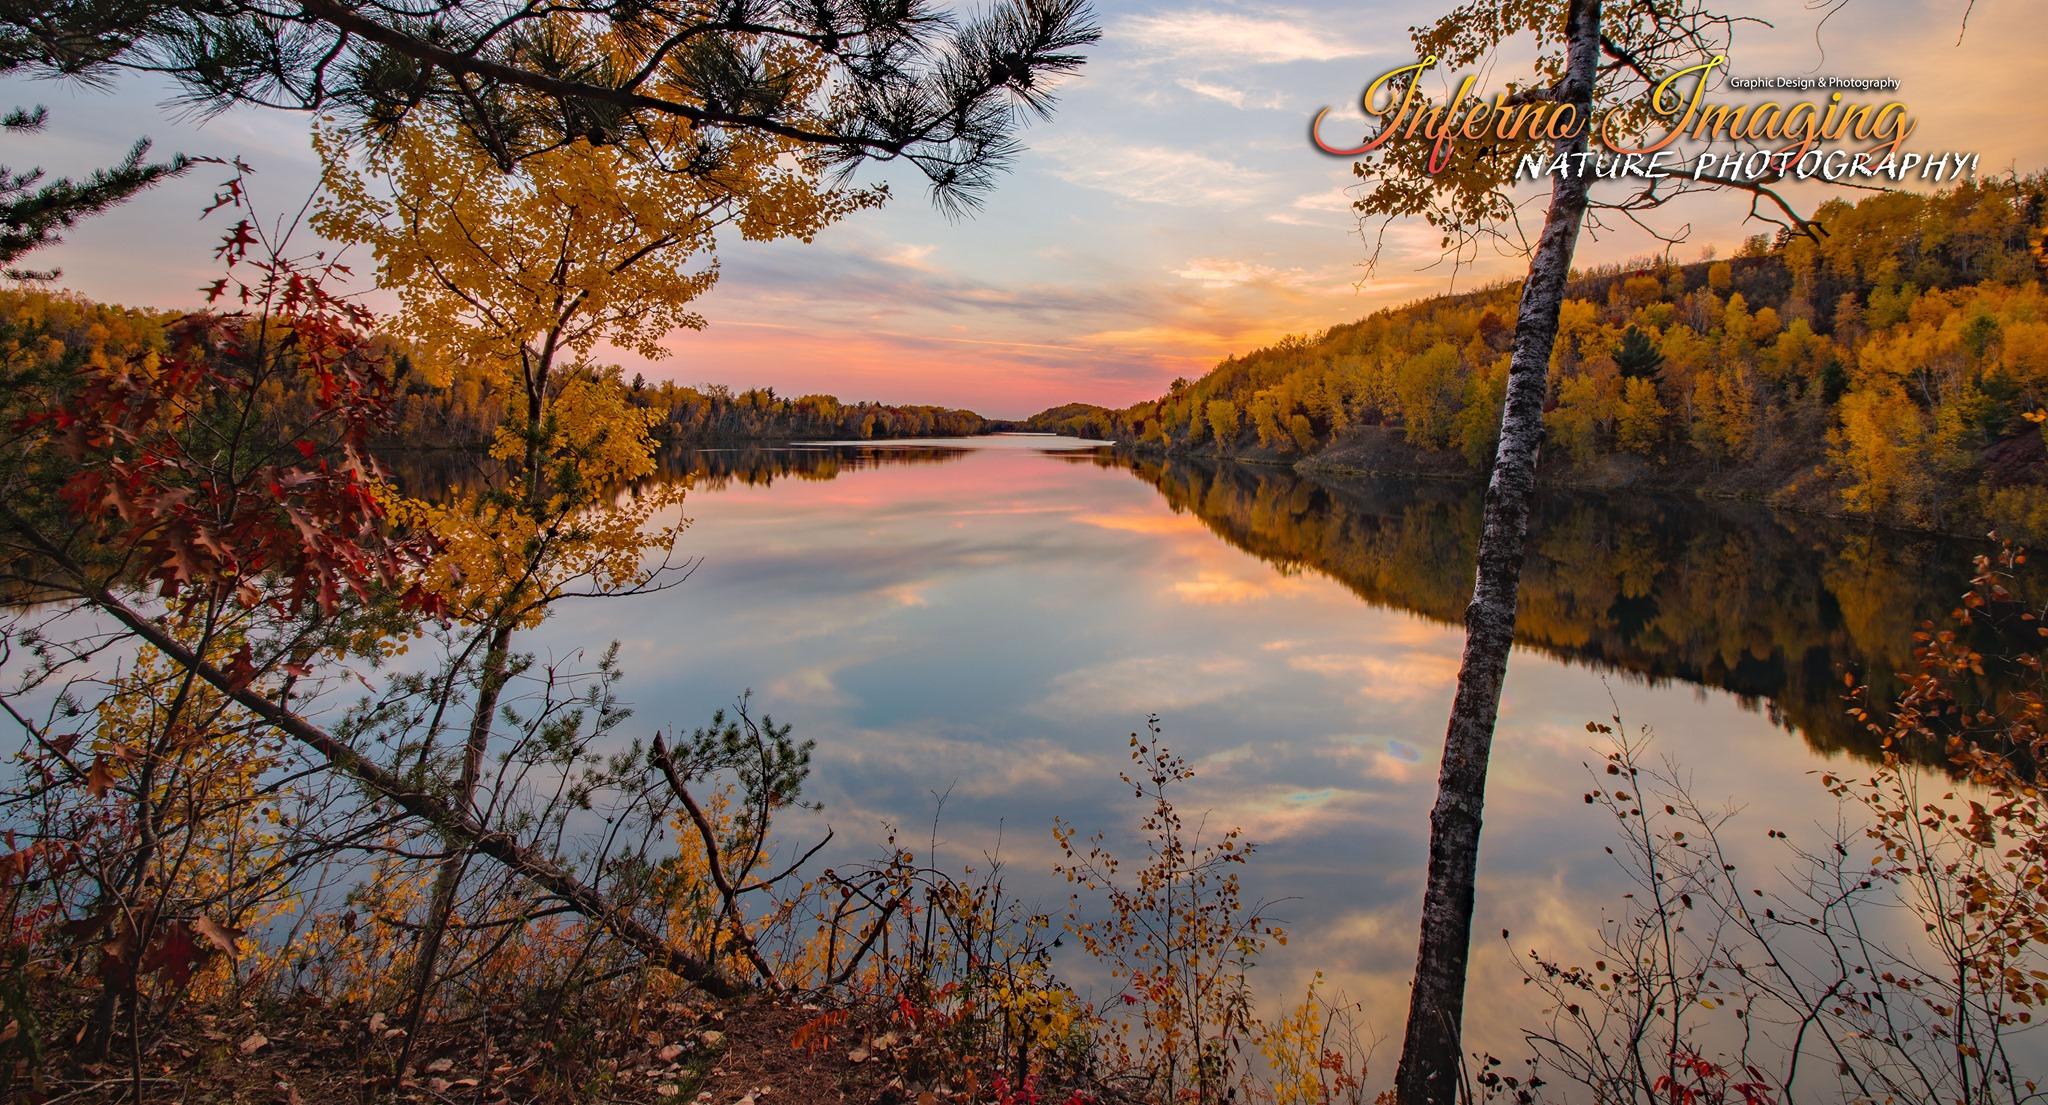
pixel 497 656
pixel 1429 1073
pixel 452 822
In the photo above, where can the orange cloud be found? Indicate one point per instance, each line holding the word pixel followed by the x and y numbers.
pixel 1210 588
pixel 1147 523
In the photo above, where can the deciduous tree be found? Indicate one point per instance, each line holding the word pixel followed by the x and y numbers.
pixel 518 277
pixel 1596 65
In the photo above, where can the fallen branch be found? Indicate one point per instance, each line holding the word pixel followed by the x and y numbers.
pixel 715 862
pixel 455 824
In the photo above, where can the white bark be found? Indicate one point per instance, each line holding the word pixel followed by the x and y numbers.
pixel 1429 1073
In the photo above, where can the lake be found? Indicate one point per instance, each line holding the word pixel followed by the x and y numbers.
pixel 988 620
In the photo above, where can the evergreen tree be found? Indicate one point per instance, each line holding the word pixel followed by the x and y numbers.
pixel 34 214
pixel 908 81
pixel 1637 355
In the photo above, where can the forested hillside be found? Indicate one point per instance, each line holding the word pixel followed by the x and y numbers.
pixel 457 407
pixel 466 411
pixel 1897 368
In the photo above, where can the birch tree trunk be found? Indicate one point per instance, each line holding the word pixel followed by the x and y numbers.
pixel 1429 1073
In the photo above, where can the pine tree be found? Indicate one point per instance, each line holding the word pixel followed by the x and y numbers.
pixel 1637 355
pixel 908 81
pixel 34 214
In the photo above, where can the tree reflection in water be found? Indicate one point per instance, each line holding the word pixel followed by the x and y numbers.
pixel 1770 607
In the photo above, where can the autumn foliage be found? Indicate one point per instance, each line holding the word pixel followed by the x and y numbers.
pixel 167 450
pixel 1889 369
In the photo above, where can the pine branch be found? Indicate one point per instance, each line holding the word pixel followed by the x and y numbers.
pixel 34 214
pixel 902 81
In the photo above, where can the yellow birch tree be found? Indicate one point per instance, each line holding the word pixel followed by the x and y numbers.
pixel 521 278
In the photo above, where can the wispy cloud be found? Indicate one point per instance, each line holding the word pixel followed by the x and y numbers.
pixel 1221 38
pixel 1139 684
pixel 1210 588
pixel 1071 286
pixel 1225 272
pixel 1331 207
pixel 1334 199
pixel 983 767
pixel 1398 678
pixel 912 256
pixel 1146 523
pixel 1156 174
pixel 1234 96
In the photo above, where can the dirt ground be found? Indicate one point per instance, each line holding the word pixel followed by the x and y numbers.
pixel 756 1051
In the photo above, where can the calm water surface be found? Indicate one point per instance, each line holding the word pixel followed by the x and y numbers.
pixel 988 619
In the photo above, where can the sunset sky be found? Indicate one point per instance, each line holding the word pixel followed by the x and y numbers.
pixel 1171 213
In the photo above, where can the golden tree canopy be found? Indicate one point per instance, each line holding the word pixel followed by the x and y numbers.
pixel 583 244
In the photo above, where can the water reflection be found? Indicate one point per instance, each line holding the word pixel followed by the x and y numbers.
pixel 431 472
pixel 1769 607
pixel 987 619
